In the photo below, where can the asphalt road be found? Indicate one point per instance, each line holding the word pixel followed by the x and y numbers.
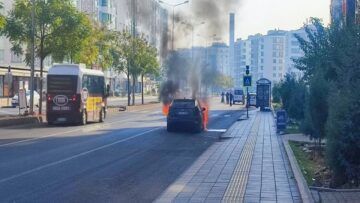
pixel 129 158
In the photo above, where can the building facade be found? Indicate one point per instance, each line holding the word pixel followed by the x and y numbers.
pixel 345 11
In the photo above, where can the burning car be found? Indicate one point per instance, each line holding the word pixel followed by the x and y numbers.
pixel 186 114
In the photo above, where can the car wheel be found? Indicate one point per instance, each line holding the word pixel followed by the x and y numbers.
pixel 198 129
pixel 83 118
pixel 102 115
pixel 169 128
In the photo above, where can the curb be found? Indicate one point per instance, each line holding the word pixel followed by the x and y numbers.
pixel 20 121
pixel 36 120
pixel 300 180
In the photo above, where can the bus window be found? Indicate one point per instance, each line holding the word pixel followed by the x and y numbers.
pixel 62 84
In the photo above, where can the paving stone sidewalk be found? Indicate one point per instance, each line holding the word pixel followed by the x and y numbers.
pixel 249 164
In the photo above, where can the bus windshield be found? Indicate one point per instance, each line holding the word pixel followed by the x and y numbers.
pixel 62 84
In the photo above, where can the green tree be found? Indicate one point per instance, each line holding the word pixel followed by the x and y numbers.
pixel 2 17
pixel 53 19
pixel 223 81
pixel 316 66
pixel 149 64
pixel 343 124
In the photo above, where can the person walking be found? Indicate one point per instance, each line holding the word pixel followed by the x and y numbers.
pixel 231 98
pixel 222 97
pixel 227 97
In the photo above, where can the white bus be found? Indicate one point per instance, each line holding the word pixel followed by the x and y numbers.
pixel 75 94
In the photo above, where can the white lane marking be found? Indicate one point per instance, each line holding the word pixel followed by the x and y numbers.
pixel 75 156
pixel 217 130
pixel 87 129
pixel 227 115
pixel 214 115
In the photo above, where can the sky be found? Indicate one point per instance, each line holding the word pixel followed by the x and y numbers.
pixel 259 16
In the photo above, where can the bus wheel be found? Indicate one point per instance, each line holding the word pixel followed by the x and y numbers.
pixel 83 118
pixel 102 115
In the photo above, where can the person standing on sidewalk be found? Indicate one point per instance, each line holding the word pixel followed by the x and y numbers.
pixel 222 97
pixel 231 98
pixel 227 97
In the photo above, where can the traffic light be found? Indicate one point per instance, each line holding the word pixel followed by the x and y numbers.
pixel 247 70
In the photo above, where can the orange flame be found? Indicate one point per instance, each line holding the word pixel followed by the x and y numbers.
pixel 204 104
pixel 165 109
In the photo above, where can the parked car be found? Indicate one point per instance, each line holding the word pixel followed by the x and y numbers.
pixel 15 99
pixel 239 96
pixel 185 114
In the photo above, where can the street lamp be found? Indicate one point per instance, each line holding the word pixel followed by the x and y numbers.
pixel 192 35
pixel 173 18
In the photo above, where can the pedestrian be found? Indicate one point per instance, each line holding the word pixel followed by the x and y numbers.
pixel 107 95
pixel 222 97
pixel 227 97
pixel 231 98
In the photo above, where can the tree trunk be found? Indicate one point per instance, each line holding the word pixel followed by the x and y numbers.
pixel 142 89
pixel 133 90
pixel 41 84
pixel 128 88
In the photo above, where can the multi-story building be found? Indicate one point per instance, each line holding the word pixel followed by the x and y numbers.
pixel 344 11
pixel 218 58
pixel 293 50
pixel 272 63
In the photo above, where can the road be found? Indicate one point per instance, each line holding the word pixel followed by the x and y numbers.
pixel 113 101
pixel 130 158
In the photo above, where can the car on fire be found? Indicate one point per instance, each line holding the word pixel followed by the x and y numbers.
pixel 185 114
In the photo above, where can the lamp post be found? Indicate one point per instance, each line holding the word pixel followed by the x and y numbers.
pixel 192 35
pixel 173 18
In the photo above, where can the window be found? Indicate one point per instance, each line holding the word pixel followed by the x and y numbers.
pixel 280 61
pixel 274 75
pixel 104 3
pixel 262 53
pixel 262 60
pixel 295 43
pixel 274 60
pixel 280 75
pixel 280 68
pixel 274 68
pixel 295 50
pixel 16 58
pixel 1 86
pixel 262 46
pixel 2 52
pixel 262 68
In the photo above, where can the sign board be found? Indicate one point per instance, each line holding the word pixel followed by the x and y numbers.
pixel 22 99
pixel 247 81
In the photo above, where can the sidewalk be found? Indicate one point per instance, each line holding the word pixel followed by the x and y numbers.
pixel 248 165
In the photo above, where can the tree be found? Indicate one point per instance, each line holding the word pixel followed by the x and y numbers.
pixel 223 81
pixel 149 64
pixel 343 124
pixel 53 18
pixel 2 18
pixel 80 44
pixel 316 66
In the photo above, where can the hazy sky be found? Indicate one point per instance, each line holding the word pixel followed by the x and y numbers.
pixel 259 16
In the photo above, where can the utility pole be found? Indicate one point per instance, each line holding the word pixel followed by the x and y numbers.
pixel 32 57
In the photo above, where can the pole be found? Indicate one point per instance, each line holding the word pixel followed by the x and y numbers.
pixel 247 102
pixel 32 58
pixel 173 27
